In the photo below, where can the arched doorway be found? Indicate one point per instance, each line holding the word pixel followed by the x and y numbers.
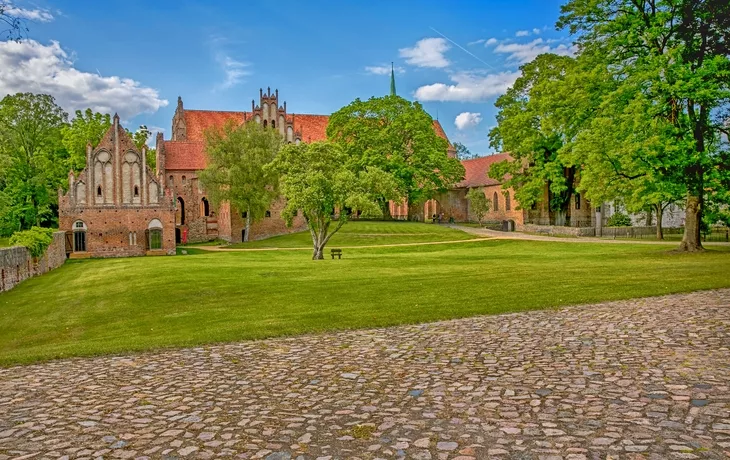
pixel 79 230
pixel 204 207
pixel 180 212
pixel 154 233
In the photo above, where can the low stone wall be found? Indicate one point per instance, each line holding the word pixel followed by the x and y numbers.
pixel 17 265
pixel 556 230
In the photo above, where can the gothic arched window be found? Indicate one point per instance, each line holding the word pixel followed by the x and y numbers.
pixel 507 201
pixel 496 201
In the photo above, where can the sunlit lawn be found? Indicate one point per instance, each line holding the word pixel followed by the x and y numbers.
pixel 90 307
pixel 367 233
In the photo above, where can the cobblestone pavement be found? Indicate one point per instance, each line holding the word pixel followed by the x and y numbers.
pixel 647 378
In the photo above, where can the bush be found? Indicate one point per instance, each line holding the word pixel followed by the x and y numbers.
pixel 619 219
pixel 36 239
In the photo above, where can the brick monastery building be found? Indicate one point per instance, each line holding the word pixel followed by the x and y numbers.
pixel 118 207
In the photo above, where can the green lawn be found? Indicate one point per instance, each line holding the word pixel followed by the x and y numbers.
pixel 100 306
pixel 367 233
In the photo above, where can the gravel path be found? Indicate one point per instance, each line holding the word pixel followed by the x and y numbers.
pixel 646 378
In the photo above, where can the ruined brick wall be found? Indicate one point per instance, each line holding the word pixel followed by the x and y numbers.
pixel 108 230
pixel 266 227
pixel 189 196
pixel 17 265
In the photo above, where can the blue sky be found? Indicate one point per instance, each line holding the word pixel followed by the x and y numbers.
pixel 136 57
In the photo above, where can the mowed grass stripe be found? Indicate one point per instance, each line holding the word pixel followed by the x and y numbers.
pixel 120 305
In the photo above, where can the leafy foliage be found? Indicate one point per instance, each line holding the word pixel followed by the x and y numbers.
pixel 33 161
pixel 536 118
pixel 236 171
pixel 619 219
pixel 86 127
pixel 318 179
pixel 670 60
pixel 36 239
pixel 479 205
pixel 396 136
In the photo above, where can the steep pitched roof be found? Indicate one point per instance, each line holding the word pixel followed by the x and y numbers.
pixel 440 130
pixel 312 127
pixel 190 154
pixel 476 170
pixel 197 121
pixel 184 155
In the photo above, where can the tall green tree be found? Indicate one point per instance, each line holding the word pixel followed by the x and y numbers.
pixel 676 52
pixel 236 171
pixel 398 137
pixel 537 116
pixel 86 127
pixel 479 205
pixel 140 138
pixel 316 179
pixel 33 160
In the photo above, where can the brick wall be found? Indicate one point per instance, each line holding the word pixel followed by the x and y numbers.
pixel 266 227
pixel 17 265
pixel 108 230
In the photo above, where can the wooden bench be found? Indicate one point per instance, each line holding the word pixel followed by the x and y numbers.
pixel 336 252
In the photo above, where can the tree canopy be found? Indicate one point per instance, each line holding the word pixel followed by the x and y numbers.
pixel 670 62
pixel 318 180
pixel 236 171
pixel 32 159
pixel 398 137
pixel 86 127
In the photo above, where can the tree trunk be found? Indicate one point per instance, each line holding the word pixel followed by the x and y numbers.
pixel 659 216
pixel 248 226
pixel 693 214
pixel 318 253
pixel 649 214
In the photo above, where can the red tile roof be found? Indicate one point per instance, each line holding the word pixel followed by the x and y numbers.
pixel 312 127
pixel 190 154
pixel 185 155
pixel 440 130
pixel 197 121
pixel 476 170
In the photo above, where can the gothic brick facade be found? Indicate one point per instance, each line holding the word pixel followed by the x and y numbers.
pixel 117 206
pixel 180 158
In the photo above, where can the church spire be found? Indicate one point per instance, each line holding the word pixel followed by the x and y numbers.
pixel 392 80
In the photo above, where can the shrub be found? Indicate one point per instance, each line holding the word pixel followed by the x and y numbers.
pixel 36 239
pixel 619 219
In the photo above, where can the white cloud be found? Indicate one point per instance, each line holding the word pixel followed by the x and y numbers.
pixel 491 41
pixel 234 70
pixel 468 87
pixel 476 42
pixel 522 33
pixel 428 52
pixel 36 14
pixel 383 70
pixel 525 52
pixel 466 120
pixel 31 66
pixel 536 31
